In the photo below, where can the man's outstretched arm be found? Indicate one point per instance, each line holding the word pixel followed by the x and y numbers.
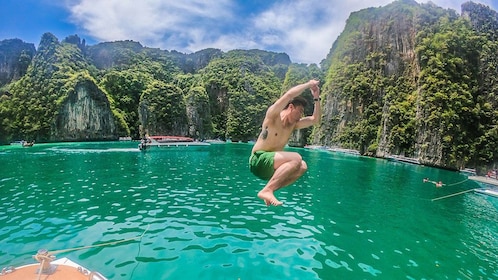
pixel 280 104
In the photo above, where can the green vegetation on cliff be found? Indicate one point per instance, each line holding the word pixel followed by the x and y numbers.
pixel 408 79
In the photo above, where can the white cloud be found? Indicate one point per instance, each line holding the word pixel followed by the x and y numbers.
pixel 158 23
pixel 304 29
pixel 457 5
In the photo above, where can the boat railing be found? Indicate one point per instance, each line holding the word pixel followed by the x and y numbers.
pixel 94 275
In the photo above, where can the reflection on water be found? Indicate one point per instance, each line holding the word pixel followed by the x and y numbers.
pixel 349 217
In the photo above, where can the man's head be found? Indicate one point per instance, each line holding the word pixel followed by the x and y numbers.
pixel 295 109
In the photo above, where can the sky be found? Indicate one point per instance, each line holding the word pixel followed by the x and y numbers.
pixel 304 29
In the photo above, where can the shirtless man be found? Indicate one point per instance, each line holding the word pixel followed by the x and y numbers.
pixel 268 161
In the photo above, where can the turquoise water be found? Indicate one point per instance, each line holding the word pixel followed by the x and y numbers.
pixel 348 217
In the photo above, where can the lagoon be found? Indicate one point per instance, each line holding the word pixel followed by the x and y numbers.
pixel 196 210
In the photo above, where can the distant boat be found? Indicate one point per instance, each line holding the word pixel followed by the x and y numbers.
pixel 215 141
pixel 345 151
pixel 468 171
pixel 174 144
pixel 485 180
pixel 169 141
pixel 490 185
pixel 48 268
pixel 315 147
pixel 490 191
pixel 403 159
pixel 28 144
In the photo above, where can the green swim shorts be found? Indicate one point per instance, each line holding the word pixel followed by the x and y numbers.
pixel 261 164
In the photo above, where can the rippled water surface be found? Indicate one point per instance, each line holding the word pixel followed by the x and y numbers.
pixel 196 208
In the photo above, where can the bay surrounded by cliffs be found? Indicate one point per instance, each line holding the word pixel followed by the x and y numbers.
pixel 196 210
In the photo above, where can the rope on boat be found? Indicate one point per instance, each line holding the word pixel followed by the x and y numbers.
pixel 44 258
pixel 450 195
pixel 40 270
pixel 99 245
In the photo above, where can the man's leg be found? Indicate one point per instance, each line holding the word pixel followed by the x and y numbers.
pixel 289 166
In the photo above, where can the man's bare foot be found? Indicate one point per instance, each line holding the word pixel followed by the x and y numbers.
pixel 269 198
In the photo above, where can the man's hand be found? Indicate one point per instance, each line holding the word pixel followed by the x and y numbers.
pixel 313 83
pixel 315 90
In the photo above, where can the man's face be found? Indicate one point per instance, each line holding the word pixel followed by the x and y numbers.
pixel 297 112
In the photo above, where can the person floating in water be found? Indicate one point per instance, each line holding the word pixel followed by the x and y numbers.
pixel 437 184
pixel 268 161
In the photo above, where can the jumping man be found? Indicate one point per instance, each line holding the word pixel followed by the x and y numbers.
pixel 268 161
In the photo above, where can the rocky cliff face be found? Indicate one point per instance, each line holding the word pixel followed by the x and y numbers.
pixel 482 18
pixel 376 47
pixel 415 80
pixel 58 100
pixel 397 42
pixel 162 110
pixel 85 115
pixel 15 57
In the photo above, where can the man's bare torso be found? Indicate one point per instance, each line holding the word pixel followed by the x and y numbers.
pixel 274 135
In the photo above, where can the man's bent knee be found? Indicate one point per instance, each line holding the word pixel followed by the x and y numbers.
pixel 304 167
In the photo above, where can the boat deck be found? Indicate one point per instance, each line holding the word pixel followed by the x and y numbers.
pixel 491 192
pixel 492 184
pixel 485 180
pixel 62 269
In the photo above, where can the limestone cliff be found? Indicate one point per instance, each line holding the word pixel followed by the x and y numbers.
pixel 58 100
pixel 376 48
pixel 15 57
pixel 415 80
pixel 162 110
pixel 85 115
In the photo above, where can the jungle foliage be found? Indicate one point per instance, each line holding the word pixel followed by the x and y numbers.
pixel 417 80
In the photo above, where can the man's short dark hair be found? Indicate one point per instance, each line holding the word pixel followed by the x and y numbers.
pixel 298 101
